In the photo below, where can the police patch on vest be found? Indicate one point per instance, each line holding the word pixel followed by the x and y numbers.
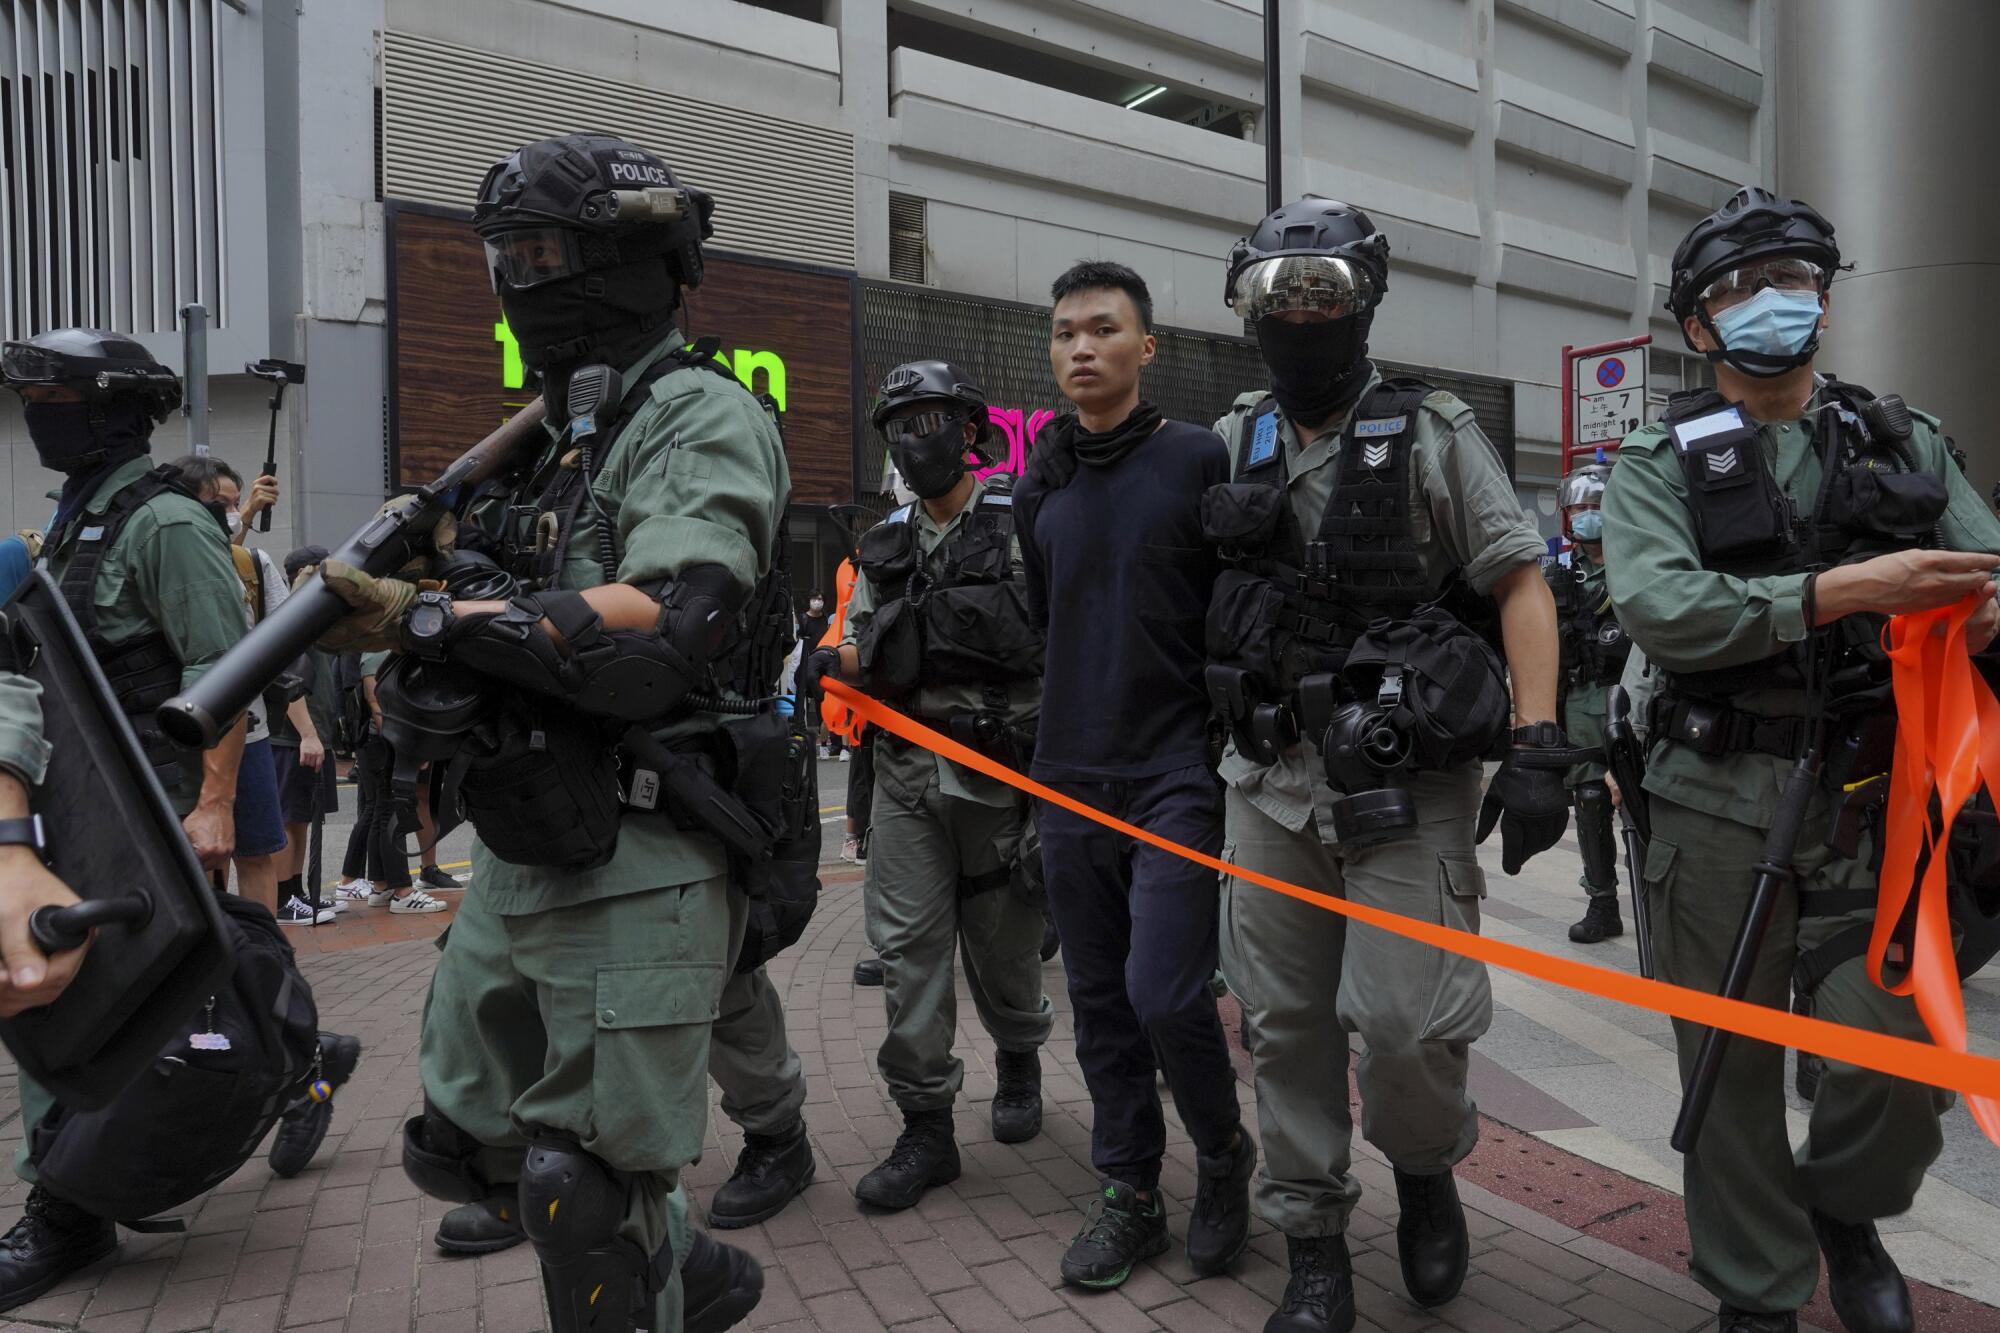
pixel 1374 456
pixel 1379 426
pixel 1263 441
pixel 1689 433
pixel 1722 462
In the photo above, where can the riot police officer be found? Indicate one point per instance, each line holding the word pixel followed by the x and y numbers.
pixel 1371 530
pixel 938 624
pixel 145 569
pixel 566 1040
pixel 1594 649
pixel 1753 540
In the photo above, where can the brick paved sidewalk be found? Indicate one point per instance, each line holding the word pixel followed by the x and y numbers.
pixel 346 1246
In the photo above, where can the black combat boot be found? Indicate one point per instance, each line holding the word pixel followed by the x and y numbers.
pixel 1430 1236
pixel 303 1126
pixel 1017 1096
pixel 1868 1292
pixel 720 1286
pixel 926 1154
pixel 482 1228
pixel 53 1239
pixel 868 971
pixel 771 1171
pixel 1729 1319
pixel 1219 1223
pixel 1600 921
pixel 1320 1296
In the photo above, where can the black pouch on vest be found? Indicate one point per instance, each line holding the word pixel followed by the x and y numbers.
pixel 776 777
pixel 979 633
pixel 1241 517
pixel 1454 700
pixel 890 646
pixel 1242 625
pixel 1898 506
pixel 888 556
pixel 1738 511
pixel 543 789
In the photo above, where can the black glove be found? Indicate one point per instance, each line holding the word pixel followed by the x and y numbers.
pixel 819 664
pixel 1529 802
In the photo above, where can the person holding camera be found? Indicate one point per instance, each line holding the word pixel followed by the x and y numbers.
pixel 1374 544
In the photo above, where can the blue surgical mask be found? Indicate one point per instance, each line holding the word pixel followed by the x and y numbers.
pixel 1587 525
pixel 1774 322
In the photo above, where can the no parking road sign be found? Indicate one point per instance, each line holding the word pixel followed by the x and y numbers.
pixel 1610 395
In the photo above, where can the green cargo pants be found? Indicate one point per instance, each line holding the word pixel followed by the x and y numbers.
pixel 35 1103
pixel 1871 1137
pixel 1306 978
pixel 751 1059
pixel 592 1021
pixel 936 883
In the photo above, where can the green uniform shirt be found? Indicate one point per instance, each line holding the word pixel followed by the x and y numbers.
pixel 1463 516
pixel 910 766
pixel 1690 618
pixel 23 752
pixel 697 476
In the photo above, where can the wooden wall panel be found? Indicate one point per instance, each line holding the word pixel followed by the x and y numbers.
pixel 791 328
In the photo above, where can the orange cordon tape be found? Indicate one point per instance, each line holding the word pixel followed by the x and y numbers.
pixel 1972 1075
pixel 1948 744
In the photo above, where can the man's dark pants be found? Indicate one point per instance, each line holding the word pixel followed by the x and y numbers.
pixel 1138 932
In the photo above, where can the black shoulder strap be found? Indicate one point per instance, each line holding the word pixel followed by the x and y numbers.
pixel 1365 529
pixel 93 538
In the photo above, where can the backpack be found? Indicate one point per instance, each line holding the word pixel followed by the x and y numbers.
pixel 189 1122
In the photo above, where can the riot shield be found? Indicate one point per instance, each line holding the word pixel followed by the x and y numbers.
pixel 114 839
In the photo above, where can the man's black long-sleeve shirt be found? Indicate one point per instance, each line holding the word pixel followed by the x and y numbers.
pixel 1119 573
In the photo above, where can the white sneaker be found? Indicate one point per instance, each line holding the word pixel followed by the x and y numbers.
pixel 382 899
pixel 298 912
pixel 850 850
pixel 845 755
pixel 417 901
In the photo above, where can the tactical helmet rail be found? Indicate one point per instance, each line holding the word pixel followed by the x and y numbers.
pixel 932 382
pixel 99 365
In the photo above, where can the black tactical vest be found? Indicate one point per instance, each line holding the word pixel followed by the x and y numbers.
pixel 144 671
pixel 1594 644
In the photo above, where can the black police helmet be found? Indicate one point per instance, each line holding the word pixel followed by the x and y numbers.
pixel 102 366
pixel 1755 224
pixel 1312 227
pixel 933 382
pixel 625 200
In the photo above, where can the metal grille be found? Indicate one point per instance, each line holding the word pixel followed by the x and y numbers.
pixel 1004 346
pixel 907 238
pixel 450 112
pixel 111 112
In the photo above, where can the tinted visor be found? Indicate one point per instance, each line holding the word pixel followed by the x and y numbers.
pixel 1786 273
pixel 927 422
pixel 24 363
pixel 1317 284
pixel 531 256
pixel 1585 487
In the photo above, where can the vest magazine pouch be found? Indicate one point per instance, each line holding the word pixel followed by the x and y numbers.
pixel 1738 511
pixel 890 646
pixel 542 789
pixel 1894 506
pixel 979 633
pixel 112 835
pixel 1242 628
pixel 1241 517
pixel 889 555
pixel 1454 698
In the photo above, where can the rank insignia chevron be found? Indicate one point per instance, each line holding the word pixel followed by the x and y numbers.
pixel 1721 462
pixel 1375 455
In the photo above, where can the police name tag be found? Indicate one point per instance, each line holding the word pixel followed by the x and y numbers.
pixel 1379 426
pixel 1263 442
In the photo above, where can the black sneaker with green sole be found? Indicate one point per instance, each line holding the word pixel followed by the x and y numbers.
pixel 1123 1230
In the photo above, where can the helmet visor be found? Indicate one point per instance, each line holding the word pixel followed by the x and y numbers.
pixel 1787 273
pixel 530 256
pixel 1314 284
pixel 25 363
pixel 1583 487
pixel 926 422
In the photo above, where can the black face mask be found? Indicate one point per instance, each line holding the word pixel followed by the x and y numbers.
pixel 66 440
pixel 609 314
pixel 931 464
pixel 1316 369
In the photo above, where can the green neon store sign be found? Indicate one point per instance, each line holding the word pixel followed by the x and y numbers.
pixel 743 362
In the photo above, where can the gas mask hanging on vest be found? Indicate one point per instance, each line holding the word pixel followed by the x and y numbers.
pixel 1317 369
pixel 611 314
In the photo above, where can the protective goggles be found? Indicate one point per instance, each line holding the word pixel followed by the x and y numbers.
pixel 1787 274
pixel 927 422
pixel 531 256
pixel 1581 488
pixel 1316 284
pixel 23 364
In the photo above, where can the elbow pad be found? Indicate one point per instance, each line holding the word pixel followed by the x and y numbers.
pixel 698 613
pixel 630 675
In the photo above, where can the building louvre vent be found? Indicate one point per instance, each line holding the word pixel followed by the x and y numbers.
pixel 906 238
pixel 782 188
pixel 112 174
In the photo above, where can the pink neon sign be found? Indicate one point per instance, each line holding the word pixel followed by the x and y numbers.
pixel 1020 427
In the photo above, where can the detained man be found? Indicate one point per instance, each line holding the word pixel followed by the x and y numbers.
pixel 1109 522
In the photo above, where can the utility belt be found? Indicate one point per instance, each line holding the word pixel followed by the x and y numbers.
pixel 1712 728
pixel 988 732
pixel 1265 725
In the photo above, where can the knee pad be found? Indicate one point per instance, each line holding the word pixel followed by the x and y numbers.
pixel 441 1159
pixel 571 1207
